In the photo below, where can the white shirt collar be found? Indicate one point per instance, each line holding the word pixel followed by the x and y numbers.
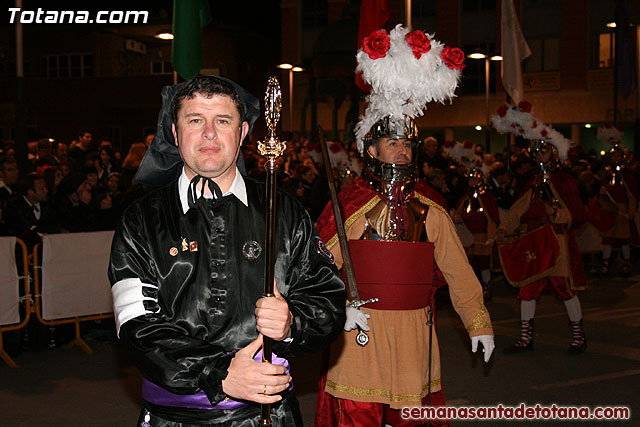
pixel 3 185
pixel 238 189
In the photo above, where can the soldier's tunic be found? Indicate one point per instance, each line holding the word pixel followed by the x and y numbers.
pixel 481 216
pixel 622 190
pixel 393 368
pixel 529 213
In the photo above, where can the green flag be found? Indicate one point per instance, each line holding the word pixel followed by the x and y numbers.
pixel 189 17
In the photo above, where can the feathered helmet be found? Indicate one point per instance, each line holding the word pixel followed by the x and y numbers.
pixel 610 134
pixel 613 135
pixel 405 69
pixel 461 152
pixel 519 120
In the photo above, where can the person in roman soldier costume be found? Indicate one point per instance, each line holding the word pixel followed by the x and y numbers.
pixel 397 236
pixel 613 210
pixel 545 252
pixel 478 210
pixel 187 272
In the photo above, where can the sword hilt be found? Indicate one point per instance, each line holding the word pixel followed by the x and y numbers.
pixel 360 303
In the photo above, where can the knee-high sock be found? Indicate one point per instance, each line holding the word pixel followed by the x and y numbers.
pixel 527 309
pixel 486 275
pixel 626 252
pixel 573 308
pixel 606 251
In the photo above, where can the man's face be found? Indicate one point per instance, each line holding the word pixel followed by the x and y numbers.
pixel 113 183
pixel 44 152
pixel 92 179
pixel 104 156
pixel 209 135
pixel 40 191
pixel 431 147
pixel 61 150
pixel 10 174
pixel 390 150
pixel 309 177
pixel 84 193
pixel 85 139
pixel 543 156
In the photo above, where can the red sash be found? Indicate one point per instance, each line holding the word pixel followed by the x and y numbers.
pixel 399 274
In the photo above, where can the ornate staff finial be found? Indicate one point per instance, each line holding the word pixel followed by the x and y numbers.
pixel 272 148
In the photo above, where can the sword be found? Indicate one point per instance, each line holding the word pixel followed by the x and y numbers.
pixel 362 338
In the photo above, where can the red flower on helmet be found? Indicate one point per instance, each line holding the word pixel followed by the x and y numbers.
pixel 535 124
pixel 525 106
pixel 453 57
pixel 468 145
pixel 335 148
pixel 502 110
pixel 449 143
pixel 376 44
pixel 544 133
pixel 313 147
pixel 419 43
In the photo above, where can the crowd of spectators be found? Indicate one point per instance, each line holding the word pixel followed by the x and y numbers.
pixel 85 185
pixel 77 187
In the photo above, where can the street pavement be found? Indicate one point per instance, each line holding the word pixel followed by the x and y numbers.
pixel 66 387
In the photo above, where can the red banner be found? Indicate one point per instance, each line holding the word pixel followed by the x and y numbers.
pixel 531 257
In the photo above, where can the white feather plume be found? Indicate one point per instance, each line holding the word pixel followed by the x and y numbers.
pixel 609 134
pixel 524 124
pixel 402 84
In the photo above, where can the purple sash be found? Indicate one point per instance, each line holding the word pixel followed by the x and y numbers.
pixel 155 394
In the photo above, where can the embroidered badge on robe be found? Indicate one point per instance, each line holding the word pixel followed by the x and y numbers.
pixel 251 250
pixel 193 246
pixel 322 250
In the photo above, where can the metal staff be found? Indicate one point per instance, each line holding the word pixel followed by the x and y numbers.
pixel 272 148
pixel 362 338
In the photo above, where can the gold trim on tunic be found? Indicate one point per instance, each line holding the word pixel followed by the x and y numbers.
pixel 428 201
pixel 353 218
pixel 380 392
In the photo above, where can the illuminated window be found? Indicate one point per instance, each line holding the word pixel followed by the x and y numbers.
pixel 606 48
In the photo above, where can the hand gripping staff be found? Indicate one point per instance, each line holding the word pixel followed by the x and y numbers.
pixel 272 149
pixel 362 338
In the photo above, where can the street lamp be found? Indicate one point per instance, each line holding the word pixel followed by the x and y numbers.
pixel 487 58
pixel 292 69
pixel 164 35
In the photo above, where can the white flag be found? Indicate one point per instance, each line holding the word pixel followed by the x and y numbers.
pixel 514 50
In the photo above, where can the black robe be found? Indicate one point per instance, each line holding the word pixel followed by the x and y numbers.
pixel 202 310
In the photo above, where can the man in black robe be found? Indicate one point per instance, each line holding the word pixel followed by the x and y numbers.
pixel 187 272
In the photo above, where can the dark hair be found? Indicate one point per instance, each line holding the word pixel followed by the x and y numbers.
pixel 28 182
pixel 207 86
pixel 498 171
pixel 8 159
pixel 82 131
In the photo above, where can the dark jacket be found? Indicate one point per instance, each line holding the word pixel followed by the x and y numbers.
pixel 199 305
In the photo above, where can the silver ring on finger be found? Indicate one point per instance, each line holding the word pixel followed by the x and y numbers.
pixel 265 389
